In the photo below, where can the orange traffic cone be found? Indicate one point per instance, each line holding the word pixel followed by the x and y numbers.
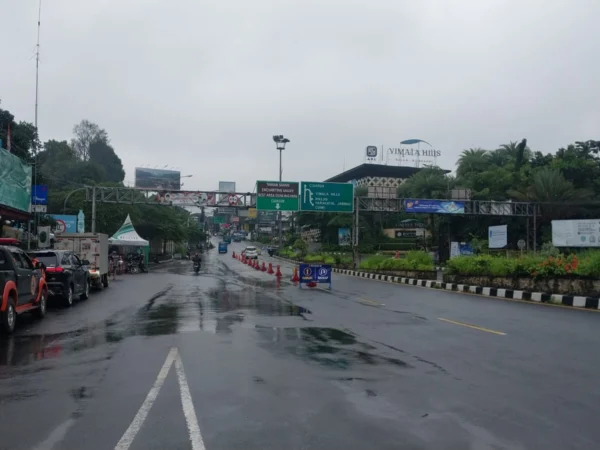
pixel 233 254
pixel 264 267
pixel 295 277
pixel 278 273
pixel 256 265
pixel 270 271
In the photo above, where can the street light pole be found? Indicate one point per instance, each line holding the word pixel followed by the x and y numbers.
pixel 280 142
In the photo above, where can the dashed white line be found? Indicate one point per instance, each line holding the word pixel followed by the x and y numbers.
pixel 188 407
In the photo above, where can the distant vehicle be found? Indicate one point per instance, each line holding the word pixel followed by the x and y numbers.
pixel 251 252
pixel 222 247
pixel 237 238
pixel 67 276
pixel 227 239
pixel 92 247
pixel 272 250
pixel 22 285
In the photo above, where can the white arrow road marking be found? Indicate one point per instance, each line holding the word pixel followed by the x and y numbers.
pixel 186 402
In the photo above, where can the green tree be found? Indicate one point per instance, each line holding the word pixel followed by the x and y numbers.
pixel 85 134
pixel 23 136
pixel 549 185
pixel 101 153
pixel 472 160
pixel 430 182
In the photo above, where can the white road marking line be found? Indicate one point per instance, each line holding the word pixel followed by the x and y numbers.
pixel 56 436
pixel 141 415
pixel 188 407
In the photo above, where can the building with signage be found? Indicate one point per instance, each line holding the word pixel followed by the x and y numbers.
pixel 375 175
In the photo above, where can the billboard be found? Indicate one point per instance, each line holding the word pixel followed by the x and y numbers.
pixel 39 194
pixel 434 206
pixel 157 178
pixel 226 186
pixel 576 233
pixel 15 184
pixel 498 236
pixel 344 237
pixel 65 223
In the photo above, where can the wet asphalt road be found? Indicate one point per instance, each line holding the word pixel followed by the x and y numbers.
pixel 368 365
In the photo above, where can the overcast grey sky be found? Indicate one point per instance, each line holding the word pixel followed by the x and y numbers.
pixel 203 86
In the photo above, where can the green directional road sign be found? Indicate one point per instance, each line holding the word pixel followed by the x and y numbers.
pixel 326 197
pixel 218 219
pixel 277 196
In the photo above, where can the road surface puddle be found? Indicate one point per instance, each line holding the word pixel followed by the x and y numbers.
pixel 328 347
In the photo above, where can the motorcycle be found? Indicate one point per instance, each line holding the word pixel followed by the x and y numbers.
pixel 197 266
pixel 135 264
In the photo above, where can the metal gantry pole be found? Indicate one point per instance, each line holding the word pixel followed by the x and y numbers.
pixel 355 232
pixel 535 211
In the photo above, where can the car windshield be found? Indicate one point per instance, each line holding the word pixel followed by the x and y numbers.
pixel 250 249
pixel 49 259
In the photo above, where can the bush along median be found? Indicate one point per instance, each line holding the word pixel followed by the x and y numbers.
pixel 564 274
pixel 414 264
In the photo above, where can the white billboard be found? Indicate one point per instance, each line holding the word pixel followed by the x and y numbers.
pixel 497 236
pixel 576 233
pixel 186 198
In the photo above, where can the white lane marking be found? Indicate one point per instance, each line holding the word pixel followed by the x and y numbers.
pixel 141 415
pixel 188 407
pixel 57 435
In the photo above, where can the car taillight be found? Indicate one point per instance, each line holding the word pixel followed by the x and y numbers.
pixel 55 270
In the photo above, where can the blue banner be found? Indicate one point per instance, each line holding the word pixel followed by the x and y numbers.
pixel 434 206
pixel 39 194
pixel 315 273
pixel 65 223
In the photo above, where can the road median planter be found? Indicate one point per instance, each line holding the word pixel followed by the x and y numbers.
pixel 579 286
pixel 419 274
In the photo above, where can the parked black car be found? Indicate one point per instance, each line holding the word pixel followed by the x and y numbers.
pixel 66 275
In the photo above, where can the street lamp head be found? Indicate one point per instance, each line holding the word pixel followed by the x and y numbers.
pixel 280 141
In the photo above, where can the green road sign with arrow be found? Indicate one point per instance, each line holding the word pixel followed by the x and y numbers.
pixel 277 195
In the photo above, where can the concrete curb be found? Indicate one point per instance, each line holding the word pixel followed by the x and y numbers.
pixel 536 297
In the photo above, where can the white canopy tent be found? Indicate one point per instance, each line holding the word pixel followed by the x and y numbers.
pixel 127 236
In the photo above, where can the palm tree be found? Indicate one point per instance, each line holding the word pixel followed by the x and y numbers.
pixel 549 185
pixel 431 182
pixel 472 160
pixel 516 152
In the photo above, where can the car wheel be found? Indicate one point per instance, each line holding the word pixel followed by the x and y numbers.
pixel 41 311
pixel 8 318
pixel 69 297
pixel 86 291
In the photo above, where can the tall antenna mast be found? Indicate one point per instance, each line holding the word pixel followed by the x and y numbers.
pixel 37 64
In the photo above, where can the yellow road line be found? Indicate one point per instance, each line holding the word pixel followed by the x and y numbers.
pixel 473 326
pixel 370 302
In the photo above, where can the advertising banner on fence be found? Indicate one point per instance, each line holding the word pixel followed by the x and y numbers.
pixel 186 198
pixel 344 236
pixel 498 236
pixel 434 206
pixel 460 249
pixel 15 182
pixel 576 233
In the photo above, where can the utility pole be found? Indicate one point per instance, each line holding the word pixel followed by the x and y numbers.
pixel 37 86
pixel 280 142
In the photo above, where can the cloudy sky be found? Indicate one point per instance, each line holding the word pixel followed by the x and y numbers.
pixel 203 85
